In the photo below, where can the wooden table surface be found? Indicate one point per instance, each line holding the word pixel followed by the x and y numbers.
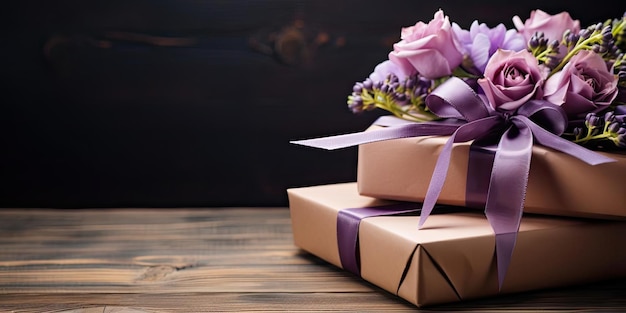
pixel 200 260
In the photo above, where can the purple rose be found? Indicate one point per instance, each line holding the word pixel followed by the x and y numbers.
pixel 552 26
pixel 428 49
pixel 511 79
pixel 480 42
pixel 584 85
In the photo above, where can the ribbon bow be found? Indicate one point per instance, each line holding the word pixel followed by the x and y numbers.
pixel 466 117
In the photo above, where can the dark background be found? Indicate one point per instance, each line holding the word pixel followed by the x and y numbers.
pixel 170 103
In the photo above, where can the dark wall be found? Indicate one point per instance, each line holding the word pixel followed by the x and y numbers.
pixel 167 103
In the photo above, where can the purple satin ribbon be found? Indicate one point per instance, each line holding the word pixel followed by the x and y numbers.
pixel 479 165
pixel 348 222
pixel 468 117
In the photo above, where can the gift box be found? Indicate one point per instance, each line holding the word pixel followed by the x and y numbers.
pixel 558 184
pixel 451 258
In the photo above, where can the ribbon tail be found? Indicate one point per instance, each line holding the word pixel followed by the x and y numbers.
pixel 466 132
pixel 555 142
pixel 401 131
pixel 507 191
pixel 436 182
pixel 479 165
pixel 391 120
pixel 505 244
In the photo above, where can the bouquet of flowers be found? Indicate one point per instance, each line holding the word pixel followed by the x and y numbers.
pixel 547 59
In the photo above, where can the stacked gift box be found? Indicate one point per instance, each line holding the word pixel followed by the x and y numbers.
pixel 452 257
pixel 453 209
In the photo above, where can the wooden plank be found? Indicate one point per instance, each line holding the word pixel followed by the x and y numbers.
pixel 210 302
pixel 586 299
pixel 226 260
pixel 90 251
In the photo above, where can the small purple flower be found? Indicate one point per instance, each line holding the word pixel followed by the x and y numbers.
pixel 480 42
pixel 598 130
pixel 593 121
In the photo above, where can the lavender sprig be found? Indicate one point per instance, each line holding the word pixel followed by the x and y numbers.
pixel 607 39
pixel 545 52
pixel 611 128
pixel 403 99
pixel 619 32
pixel 602 38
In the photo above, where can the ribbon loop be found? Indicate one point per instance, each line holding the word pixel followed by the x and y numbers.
pixel 549 116
pixel 455 99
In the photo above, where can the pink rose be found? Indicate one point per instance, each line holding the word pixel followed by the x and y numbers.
pixel 511 79
pixel 383 69
pixel 584 85
pixel 552 26
pixel 428 49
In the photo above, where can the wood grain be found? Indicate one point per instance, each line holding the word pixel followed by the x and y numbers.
pixel 205 260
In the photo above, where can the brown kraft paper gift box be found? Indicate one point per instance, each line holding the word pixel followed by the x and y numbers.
pixel 452 257
pixel 558 184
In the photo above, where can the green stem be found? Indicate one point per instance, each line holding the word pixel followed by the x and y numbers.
pixel 596 137
pixel 402 113
pixel 619 27
pixel 577 48
pixel 542 54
